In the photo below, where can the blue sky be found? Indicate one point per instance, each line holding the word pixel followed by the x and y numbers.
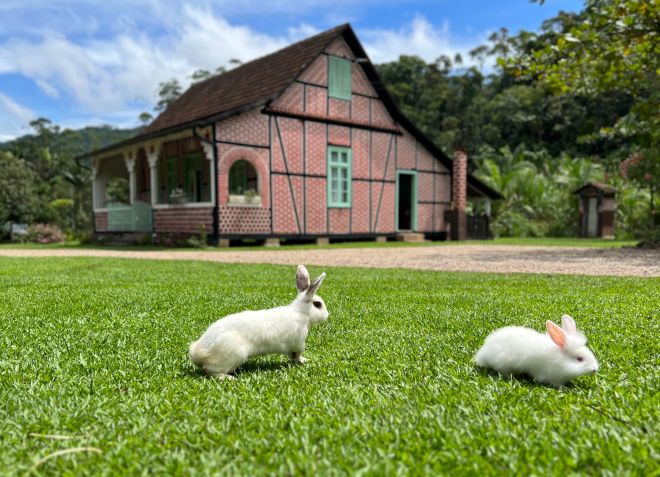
pixel 88 62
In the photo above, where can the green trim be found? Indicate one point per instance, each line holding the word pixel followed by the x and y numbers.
pixel 341 166
pixel 339 78
pixel 413 202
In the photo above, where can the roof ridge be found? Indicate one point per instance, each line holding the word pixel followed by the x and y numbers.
pixel 309 39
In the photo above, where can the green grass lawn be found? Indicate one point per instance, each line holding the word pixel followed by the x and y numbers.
pixel 96 348
pixel 518 241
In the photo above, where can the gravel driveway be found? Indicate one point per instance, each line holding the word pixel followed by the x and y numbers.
pixel 467 258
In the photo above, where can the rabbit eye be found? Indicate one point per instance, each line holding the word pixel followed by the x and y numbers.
pixel 317 304
pixel 580 359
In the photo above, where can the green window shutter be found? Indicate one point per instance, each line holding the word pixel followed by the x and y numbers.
pixel 339 78
pixel 339 177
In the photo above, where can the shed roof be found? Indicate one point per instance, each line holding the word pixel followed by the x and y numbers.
pixel 607 189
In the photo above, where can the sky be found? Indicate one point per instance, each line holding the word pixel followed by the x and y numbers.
pixel 93 62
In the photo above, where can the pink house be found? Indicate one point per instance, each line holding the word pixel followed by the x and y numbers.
pixel 303 143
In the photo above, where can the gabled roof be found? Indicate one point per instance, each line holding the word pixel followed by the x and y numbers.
pixel 252 83
pixel 260 81
pixel 607 189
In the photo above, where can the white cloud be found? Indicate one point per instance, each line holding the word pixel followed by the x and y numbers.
pixel 13 117
pixel 420 38
pixel 107 76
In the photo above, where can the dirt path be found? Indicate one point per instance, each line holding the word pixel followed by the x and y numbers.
pixel 468 258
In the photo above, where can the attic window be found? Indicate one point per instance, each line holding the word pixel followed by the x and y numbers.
pixel 339 78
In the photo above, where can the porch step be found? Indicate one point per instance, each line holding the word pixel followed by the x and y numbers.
pixel 410 237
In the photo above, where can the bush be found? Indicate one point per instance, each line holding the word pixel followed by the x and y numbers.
pixel 43 234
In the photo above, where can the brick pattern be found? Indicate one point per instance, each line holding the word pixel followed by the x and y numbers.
pixel 339 136
pixel 361 83
pixel 317 72
pixel 379 114
pixel 244 220
pixel 101 221
pixel 316 144
pixel 316 209
pixel 276 148
pixel 258 157
pixel 339 220
pixel 284 218
pixel 291 100
pixel 459 182
pixel 425 217
pixel 382 143
pixel 183 219
pixel 316 103
pixel 425 160
pixel 360 149
pixel 386 214
pixel 291 133
pixel 360 210
pixel 339 109
pixel 246 128
pixel 405 151
pixel 443 188
pixel 340 48
pixel 360 109
pixel 425 186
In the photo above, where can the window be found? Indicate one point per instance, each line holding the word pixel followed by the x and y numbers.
pixel 243 183
pixel 339 176
pixel 184 174
pixel 339 78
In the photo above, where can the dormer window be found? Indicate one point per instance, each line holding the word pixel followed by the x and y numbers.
pixel 339 78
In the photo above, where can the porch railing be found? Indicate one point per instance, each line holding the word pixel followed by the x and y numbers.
pixel 130 218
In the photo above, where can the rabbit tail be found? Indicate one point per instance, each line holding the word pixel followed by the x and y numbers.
pixel 198 356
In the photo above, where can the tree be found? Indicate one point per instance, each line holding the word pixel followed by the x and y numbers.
pixel 145 118
pixel 615 47
pixel 18 201
pixel 168 92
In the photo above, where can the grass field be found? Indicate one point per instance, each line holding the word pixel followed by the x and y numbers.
pixel 546 242
pixel 96 349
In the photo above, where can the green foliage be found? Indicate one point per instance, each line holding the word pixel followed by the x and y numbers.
pixel 168 92
pixel 96 350
pixel 18 199
pixel 118 190
pixel 41 182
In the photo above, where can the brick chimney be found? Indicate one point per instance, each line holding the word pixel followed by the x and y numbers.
pixel 459 195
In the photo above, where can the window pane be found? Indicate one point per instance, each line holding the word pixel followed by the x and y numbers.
pixel 333 156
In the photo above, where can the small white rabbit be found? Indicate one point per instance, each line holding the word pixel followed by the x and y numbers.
pixel 231 340
pixel 554 358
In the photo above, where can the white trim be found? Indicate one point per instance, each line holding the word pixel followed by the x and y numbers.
pixel 189 205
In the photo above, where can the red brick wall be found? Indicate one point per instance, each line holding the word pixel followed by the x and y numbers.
pixel 100 221
pixel 293 169
pixel 244 220
pixel 183 219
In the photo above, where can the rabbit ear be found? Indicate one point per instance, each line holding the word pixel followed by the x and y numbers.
pixel 557 335
pixel 314 286
pixel 302 279
pixel 568 325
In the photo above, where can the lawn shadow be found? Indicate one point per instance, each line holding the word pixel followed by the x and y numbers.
pixel 259 365
pixel 524 379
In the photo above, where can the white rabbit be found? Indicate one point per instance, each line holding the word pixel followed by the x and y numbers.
pixel 231 340
pixel 553 358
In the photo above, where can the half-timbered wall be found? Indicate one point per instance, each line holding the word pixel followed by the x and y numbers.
pixel 303 122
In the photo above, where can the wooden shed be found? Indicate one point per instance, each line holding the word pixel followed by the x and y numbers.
pixel 597 205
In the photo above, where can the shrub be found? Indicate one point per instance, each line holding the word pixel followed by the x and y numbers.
pixel 43 233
